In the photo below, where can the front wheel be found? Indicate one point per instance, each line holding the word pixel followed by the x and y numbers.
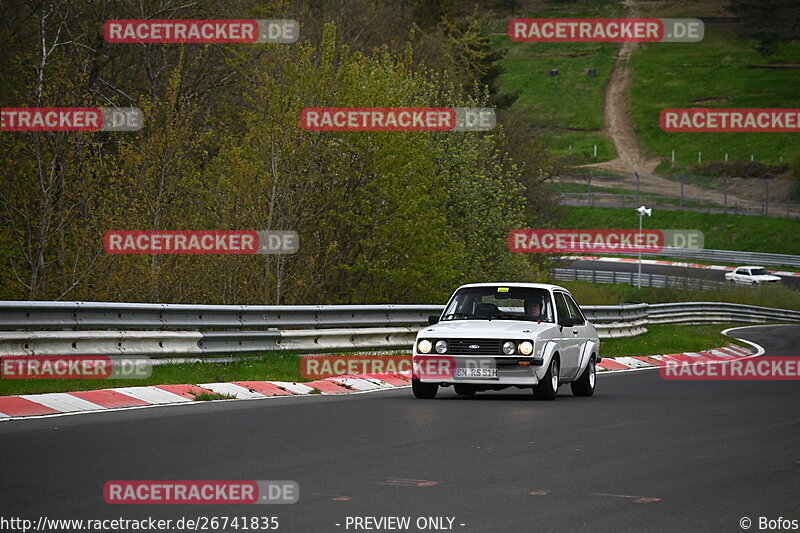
pixel 584 385
pixel 548 386
pixel 424 391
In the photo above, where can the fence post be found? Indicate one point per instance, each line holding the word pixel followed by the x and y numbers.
pixel 591 197
pixel 637 186
pixel 681 191
pixel 766 197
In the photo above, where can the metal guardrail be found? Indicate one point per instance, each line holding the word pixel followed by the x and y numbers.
pixel 92 315
pixel 710 312
pixel 56 328
pixel 731 256
pixel 725 256
pixel 648 280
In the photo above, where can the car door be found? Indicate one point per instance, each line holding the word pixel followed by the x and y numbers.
pixel 568 338
pixel 584 331
pixel 743 275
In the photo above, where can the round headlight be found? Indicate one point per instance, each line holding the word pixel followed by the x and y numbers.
pixel 526 347
pixel 440 346
pixel 424 346
pixel 508 347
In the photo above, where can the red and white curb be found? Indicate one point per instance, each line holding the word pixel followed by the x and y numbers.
pixel 668 263
pixel 638 362
pixel 63 403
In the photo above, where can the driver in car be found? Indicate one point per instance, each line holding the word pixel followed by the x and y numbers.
pixel 533 308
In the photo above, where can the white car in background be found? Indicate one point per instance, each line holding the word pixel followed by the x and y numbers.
pixel 497 335
pixel 751 275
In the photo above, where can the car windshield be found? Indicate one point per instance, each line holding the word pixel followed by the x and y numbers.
pixel 759 272
pixel 505 302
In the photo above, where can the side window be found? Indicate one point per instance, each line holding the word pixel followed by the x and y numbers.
pixel 561 306
pixel 575 311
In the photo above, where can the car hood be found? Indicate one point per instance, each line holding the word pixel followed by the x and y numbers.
pixel 485 329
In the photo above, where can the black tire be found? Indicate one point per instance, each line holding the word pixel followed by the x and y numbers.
pixel 464 389
pixel 584 385
pixel 424 391
pixel 548 386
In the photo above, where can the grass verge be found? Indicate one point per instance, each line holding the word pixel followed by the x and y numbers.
pixel 713 74
pixel 664 339
pixel 722 232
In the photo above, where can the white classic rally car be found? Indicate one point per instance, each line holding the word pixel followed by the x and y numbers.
pixel 497 335
pixel 751 275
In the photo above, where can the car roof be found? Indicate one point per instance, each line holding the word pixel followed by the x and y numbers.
pixel 749 266
pixel 546 286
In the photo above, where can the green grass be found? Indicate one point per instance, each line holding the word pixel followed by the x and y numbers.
pixel 568 108
pixel 712 73
pixel 722 232
pixel 587 293
pixel 210 396
pixel 663 339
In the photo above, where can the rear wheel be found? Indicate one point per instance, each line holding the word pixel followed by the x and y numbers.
pixel 548 386
pixel 424 391
pixel 584 385
pixel 464 389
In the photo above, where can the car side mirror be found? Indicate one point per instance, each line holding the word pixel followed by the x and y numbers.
pixel 566 322
pixel 433 319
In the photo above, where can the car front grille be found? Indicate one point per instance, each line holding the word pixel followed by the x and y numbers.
pixel 466 346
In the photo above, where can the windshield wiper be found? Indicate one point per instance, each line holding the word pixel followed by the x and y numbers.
pixel 455 316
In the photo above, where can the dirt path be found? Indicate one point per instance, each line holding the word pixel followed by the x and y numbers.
pixel 631 158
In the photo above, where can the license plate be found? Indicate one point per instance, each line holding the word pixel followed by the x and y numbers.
pixel 476 373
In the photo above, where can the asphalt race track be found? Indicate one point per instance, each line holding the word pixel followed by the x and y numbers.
pixel 643 454
pixel 666 270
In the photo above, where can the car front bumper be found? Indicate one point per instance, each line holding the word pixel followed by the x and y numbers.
pixel 441 369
